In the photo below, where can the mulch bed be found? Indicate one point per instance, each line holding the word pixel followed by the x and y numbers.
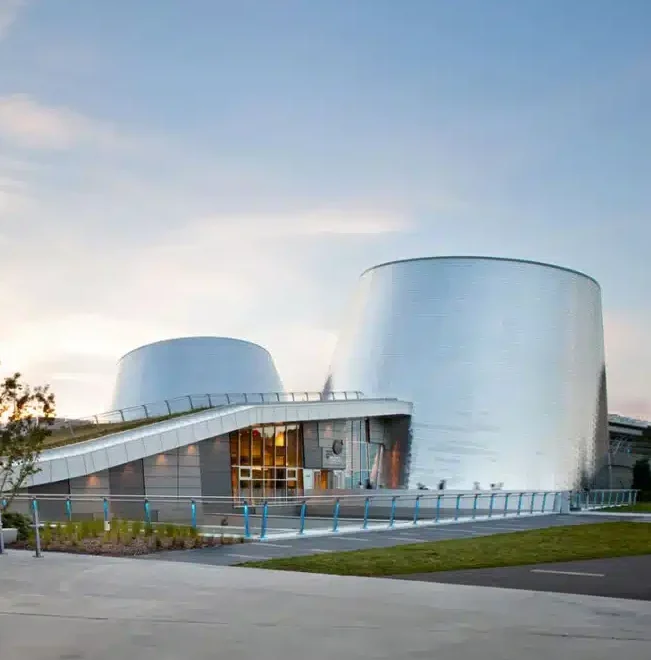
pixel 128 548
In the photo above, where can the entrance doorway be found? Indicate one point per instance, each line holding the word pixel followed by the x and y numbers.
pixel 267 462
pixel 323 480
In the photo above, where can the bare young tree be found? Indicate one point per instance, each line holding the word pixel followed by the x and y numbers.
pixel 26 416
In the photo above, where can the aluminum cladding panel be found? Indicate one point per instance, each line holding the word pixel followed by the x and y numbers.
pixel 193 365
pixel 503 360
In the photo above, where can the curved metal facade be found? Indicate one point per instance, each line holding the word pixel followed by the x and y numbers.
pixel 502 359
pixel 193 365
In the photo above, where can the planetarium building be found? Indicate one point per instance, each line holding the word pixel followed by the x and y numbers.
pixel 469 371
pixel 502 359
pixel 175 368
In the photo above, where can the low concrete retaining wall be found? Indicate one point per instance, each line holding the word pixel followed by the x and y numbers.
pixel 9 535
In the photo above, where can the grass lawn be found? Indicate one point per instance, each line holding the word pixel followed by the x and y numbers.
pixel 62 436
pixel 611 539
pixel 638 507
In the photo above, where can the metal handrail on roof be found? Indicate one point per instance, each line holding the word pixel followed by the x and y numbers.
pixel 189 403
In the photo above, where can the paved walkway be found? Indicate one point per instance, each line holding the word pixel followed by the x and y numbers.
pixel 258 550
pixel 72 608
pixel 621 577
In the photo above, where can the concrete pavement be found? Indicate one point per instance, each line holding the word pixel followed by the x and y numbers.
pixel 94 608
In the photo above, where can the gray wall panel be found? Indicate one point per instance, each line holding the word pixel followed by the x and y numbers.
pixel 51 510
pixel 95 484
pixel 171 474
pixel 215 467
pixel 312 456
pixel 128 479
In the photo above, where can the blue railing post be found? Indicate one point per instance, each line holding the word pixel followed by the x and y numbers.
pixel 438 508
pixel 147 512
pixel 367 502
pixel 490 505
pixel 193 514
pixel 393 511
pixel 68 509
pixel 520 503
pixel 474 506
pixel 303 512
pixel 106 514
pixel 247 520
pixel 37 528
pixel 335 516
pixel 2 538
pixel 506 503
pixel 544 502
pixel 456 510
pixel 533 500
pixel 416 509
pixel 603 497
pixel 263 524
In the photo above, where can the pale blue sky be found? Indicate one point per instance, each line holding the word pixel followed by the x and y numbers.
pixel 205 167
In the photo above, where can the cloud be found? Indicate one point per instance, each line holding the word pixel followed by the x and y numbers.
pixel 9 10
pixel 27 123
pixel 259 277
pixel 320 222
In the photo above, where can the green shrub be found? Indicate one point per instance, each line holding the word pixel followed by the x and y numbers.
pixel 19 522
pixel 96 528
pixel 170 530
pixel 149 529
pixel 46 534
pixel 136 528
pixel 85 529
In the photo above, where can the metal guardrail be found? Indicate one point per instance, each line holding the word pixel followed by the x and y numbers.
pixel 194 403
pixel 297 516
pixel 602 499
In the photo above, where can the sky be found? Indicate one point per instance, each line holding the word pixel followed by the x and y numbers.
pixel 209 167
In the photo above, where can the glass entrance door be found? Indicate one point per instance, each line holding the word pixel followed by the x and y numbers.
pixel 267 462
